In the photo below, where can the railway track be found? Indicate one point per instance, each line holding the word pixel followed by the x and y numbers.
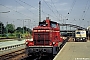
pixel 39 58
pixel 16 55
pixel 20 54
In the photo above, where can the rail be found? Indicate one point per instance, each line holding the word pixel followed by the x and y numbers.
pixel 13 52
pixel 15 55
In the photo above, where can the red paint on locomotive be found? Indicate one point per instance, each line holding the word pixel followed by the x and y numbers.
pixel 46 34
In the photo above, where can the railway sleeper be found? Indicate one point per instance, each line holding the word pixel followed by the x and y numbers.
pixel 12 55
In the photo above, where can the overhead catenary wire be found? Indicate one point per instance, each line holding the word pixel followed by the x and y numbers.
pixel 50 8
pixel 29 5
pixel 47 14
pixel 36 8
pixel 56 9
pixel 71 9
pixel 60 15
pixel 72 6
pixel 25 7
pixel 14 10
pixel 85 10
pixel 7 8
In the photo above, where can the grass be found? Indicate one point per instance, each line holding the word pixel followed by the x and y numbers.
pixel 13 36
pixel 4 40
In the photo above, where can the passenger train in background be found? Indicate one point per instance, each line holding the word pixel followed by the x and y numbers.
pixel 80 35
pixel 46 39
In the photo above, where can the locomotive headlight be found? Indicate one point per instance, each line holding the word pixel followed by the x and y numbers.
pixel 53 42
pixel 81 39
pixel 29 39
pixel 26 42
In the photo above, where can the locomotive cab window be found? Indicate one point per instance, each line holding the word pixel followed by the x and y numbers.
pixel 43 23
pixel 53 24
pixel 77 32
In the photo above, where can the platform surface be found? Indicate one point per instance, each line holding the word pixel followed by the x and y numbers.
pixel 11 43
pixel 74 51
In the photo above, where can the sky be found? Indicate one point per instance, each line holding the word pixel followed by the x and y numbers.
pixel 26 12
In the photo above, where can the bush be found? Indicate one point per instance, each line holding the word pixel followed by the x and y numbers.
pixel 0 35
pixel 3 35
pixel 18 35
pixel 11 35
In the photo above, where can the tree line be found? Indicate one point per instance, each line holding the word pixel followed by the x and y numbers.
pixel 10 28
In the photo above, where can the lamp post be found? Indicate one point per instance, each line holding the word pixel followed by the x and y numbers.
pixel 7 22
pixel 0 27
pixel 28 22
pixel 7 30
pixel 88 29
pixel 23 23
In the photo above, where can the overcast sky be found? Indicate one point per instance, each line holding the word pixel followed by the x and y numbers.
pixel 76 11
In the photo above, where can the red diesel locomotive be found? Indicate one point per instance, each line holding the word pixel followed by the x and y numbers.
pixel 46 39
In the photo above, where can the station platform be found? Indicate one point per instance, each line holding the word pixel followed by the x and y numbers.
pixel 74 51
pixel 11 46
pixel 11 43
